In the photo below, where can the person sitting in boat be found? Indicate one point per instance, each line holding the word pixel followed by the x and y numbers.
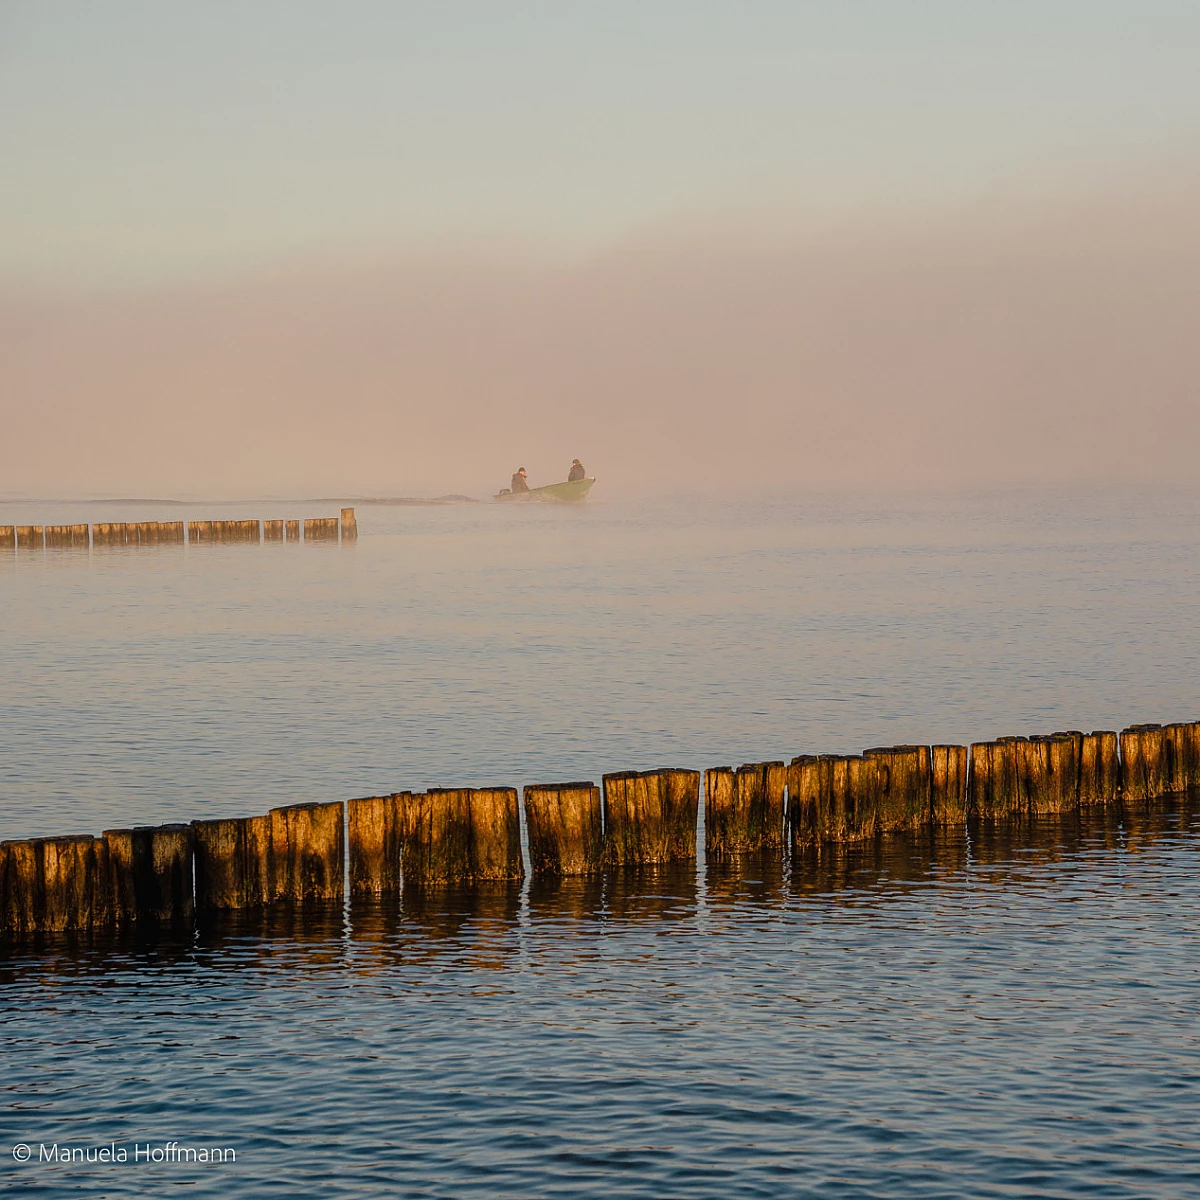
pixel 519 483
pixel 576 472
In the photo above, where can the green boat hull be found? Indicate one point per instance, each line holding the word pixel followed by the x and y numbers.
pixel 557 493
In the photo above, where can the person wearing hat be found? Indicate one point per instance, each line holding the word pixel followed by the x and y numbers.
pixel 577 472
pixel 518 481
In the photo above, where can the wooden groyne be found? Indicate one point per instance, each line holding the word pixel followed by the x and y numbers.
pixel 108 534
pixel 170 875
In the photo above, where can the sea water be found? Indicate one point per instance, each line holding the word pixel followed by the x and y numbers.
pixel 981 1012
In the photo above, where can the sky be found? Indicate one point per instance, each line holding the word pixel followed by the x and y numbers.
pixel 671 238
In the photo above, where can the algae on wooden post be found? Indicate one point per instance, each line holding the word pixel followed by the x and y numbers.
pixel 650 816
pixel 808 798
pixel 948 784
pixel 564 826
pixel 151 873
pixel 1048 773
pixel 1099 769
pixel 901 787
pixel 994 781
pixel 75 883
pixel 307 846
pixel 233 863
pixel 1143 763
pixel 743 809
pixel 495 834
pixel 374 846
pixel 459 834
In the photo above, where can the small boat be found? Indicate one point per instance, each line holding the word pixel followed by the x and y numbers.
pixel 558 493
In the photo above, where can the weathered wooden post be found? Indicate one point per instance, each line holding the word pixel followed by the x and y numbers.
pixel 1180 752
pixel 8 537
pixel 349 526
pixel 30 537
pixel 808 799
pixel 1143 762
pixel 948 784
pixel 250 531
pixel 234 868
pixel 459 835
pixel 650 816
pixel 901 787
pixel 375 845
pixel 307 849
pixel 293 530
pixel 272 531
pixel 199 531
pixel 172 532
pixel 321 529
pixel 76 884
pixel 1099 769
pixel 496 833
pixel 1048 773
pixel 566 835
pixel 743 809
pixel 151 870
pixel 995 789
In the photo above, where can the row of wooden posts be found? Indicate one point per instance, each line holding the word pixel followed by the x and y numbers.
pixel 176 533
pixel 164 874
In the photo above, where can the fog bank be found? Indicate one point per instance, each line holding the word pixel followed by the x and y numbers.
pixel 1055 344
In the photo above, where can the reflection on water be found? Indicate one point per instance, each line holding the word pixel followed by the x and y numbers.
pixel 994 1011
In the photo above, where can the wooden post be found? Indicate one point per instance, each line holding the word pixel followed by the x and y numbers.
pixel 75 883
pixel 8 537
pixel 200 531
pixel 233 863
pixel 1047 772
pixel 435 833
pixel 1179 753
pixel 948 784
pixel 307 848
pixel 321 529
pixel 374 848
pixel 30 537
pixel 566 835
pixel 995 784
pixel 743 809
pixel 22 897
pixel 902 787
pixel 349 526
pixel 1099 769
pixel 151 870
pixel 272 531
pixel 650 816
pixel 293 530
pixel 1143 762
pixel 459 835
pixel 249 531
pixel 807 799
pixel 496 833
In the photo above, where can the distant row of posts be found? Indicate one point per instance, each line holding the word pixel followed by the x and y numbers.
pixel 305 853
pixel 176 533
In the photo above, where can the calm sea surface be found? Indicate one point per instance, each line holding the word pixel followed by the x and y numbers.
pixel 991 1012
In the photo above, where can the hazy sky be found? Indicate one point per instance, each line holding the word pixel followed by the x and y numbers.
pixel 390 247
pixel 153 140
